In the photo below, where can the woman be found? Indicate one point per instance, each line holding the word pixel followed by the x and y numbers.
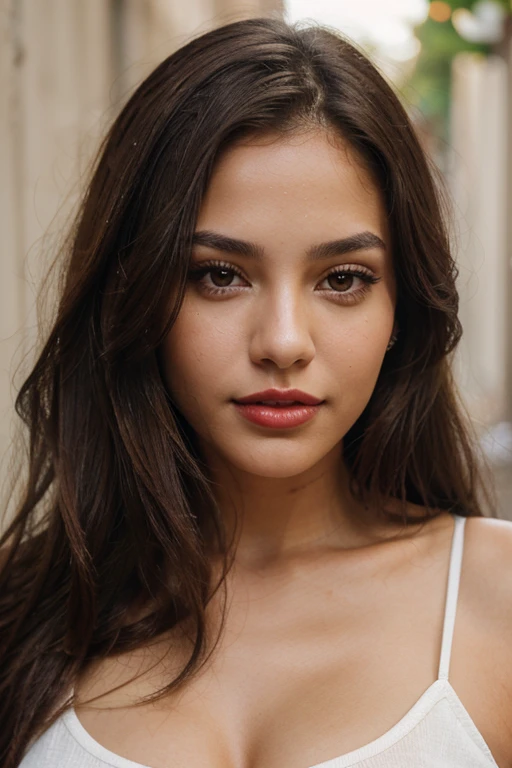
pixel 241 537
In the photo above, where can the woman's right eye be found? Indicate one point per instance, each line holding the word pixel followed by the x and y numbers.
pixel 220 276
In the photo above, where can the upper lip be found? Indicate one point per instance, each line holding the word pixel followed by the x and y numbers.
pixel 280 395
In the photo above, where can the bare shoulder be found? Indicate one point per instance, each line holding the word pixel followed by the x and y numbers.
pixel 486 581
pixel 491 526
pixel 482 660
pixel 489 548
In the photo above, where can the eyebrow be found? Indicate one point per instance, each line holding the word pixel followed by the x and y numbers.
pixel 358 242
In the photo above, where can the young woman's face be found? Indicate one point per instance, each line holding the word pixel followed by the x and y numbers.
pixel 271 314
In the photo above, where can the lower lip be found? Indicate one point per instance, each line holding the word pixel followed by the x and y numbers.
pixel 278 418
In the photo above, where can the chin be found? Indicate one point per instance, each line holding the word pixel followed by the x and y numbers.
pixel 276 460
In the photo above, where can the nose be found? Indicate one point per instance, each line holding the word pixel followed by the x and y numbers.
pixel 281 330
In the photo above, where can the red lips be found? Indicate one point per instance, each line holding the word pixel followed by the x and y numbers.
pixel 280 395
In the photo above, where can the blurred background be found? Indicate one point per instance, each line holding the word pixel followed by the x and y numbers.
pixel 67 66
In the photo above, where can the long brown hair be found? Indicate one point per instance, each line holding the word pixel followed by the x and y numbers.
pixel 117 510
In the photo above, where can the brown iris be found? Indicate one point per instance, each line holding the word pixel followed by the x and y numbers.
pixel 341 280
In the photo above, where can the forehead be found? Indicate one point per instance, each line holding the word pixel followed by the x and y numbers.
pixel 313 179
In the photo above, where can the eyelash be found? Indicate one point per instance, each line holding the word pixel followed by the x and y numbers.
pixel 197 273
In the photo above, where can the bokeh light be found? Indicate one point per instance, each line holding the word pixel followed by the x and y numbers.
pixel 439 11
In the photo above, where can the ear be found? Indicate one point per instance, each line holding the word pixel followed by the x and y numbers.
pixel 393 337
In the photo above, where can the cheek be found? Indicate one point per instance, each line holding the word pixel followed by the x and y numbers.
pixel 357 370
pixel 196 352
pixel 353 356
pixel 361 336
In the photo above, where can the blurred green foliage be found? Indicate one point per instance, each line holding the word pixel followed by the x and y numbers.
pixel 428 88
pixel 469 4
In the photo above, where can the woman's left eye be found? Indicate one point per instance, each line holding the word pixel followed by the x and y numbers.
pixel 347 284
pixel 343 280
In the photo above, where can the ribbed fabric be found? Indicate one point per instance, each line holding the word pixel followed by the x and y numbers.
pixel 437 732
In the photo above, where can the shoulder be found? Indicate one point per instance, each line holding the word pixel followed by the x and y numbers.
pixel 488 551
pixel 487 562
pixel 486 589
pixel 490 532
pixel 491 527
pixel 482 663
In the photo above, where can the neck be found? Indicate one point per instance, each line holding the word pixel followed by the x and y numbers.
pixel 277 519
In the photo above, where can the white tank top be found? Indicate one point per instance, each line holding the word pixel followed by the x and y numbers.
pixel 437 731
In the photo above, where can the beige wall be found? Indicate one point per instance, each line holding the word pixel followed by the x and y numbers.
pixel 479 186
pixel 65 67
pixel 55 72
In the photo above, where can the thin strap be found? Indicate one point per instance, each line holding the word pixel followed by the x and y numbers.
pixel 452 593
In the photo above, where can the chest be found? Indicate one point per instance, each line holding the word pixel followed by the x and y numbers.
pixel 300 676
